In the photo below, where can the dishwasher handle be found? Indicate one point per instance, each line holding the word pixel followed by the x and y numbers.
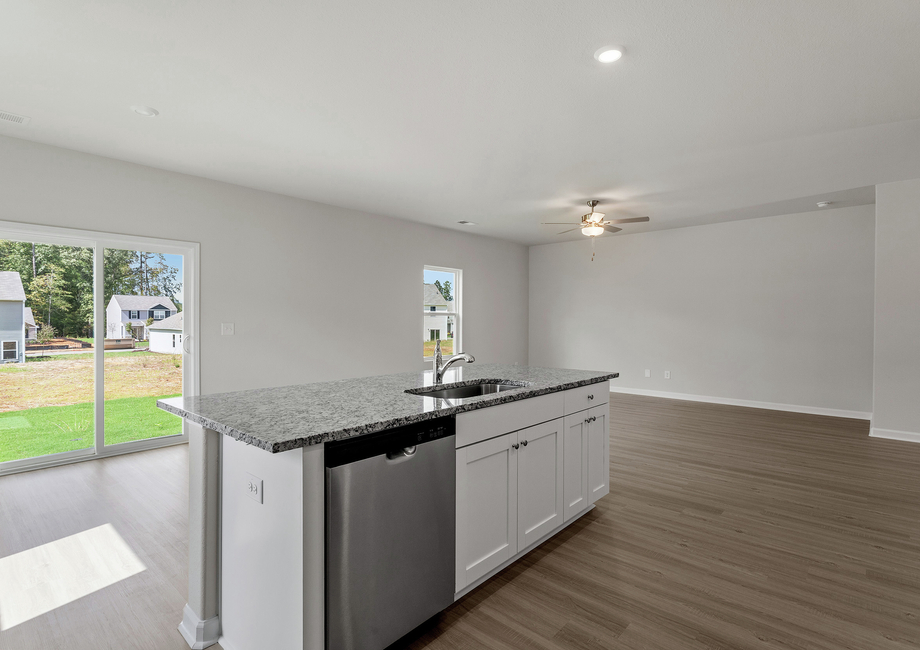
pixel 401 454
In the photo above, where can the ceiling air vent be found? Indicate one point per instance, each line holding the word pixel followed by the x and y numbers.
pixel 21 120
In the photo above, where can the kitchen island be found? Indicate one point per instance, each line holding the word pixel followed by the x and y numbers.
pixel 271 482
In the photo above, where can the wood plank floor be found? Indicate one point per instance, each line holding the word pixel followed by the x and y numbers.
pixel 725 528
pixel 144 497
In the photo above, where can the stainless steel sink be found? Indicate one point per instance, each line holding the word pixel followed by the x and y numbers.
pixel 469 390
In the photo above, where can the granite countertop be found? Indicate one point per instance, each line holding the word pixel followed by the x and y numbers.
pixel 280 419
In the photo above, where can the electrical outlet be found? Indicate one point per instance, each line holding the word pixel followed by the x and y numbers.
pixel 648 373
pixel 254 487
pixel 226 329
pixel 667 374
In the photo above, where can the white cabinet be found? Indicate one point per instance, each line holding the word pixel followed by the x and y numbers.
pixel 598 452
pixel 575 464
pixel 487 507
pixel 509 496
pixel 514 489
pixel 539 459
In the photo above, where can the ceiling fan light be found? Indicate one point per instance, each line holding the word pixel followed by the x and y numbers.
pixel 592 231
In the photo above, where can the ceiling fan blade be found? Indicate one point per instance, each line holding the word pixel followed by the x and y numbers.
pixel 612 229
pixel 559 223
pixel 565 231
pixel 630 220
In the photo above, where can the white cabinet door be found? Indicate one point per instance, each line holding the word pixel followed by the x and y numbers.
pixel 575 464
pixel 598 452
pixel 487 500
pixel 539 459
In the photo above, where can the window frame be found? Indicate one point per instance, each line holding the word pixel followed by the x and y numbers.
pixel 134 314
pixel 3 356
pixel 456 312
pixel 159 311
pixel 191 376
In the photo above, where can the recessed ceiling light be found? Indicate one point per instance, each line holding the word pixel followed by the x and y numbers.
pixel 146 111
pixel 467 223
pixel 609 54
pixel 824 204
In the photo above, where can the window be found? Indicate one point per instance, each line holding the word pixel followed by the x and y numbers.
pixel 174 340
pixel 10 350
pixel 441 310
pixel 133 315
pixel 159 314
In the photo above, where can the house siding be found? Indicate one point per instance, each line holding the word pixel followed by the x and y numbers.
pixel 12 325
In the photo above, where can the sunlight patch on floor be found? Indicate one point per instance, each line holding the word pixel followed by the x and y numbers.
pixel 36 581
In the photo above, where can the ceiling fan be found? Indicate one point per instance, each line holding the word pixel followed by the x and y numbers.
pixel 594 224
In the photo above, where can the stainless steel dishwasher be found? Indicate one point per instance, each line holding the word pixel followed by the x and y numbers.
pixel 390 533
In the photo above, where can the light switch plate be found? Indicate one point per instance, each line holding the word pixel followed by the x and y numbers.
pixel 254 487
pixel 667 374
pixel 226 329
pixel 648 373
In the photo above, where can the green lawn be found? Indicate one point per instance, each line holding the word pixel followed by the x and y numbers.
pixel 52 429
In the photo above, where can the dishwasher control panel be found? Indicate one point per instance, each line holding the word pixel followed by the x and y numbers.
pixel 340 452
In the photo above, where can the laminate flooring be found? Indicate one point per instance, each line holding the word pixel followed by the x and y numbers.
pixel 725 527
pixel 134 510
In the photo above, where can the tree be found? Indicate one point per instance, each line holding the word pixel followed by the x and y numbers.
pixel 445 290
pixel 44 334
pixel 49 289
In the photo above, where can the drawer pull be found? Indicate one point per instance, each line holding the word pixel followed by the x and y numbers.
pixel 515 446
pixel 524 442
pixel 590 396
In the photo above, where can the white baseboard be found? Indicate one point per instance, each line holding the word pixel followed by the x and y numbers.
pixel 773 406
pixel 196 632
pixel 891 434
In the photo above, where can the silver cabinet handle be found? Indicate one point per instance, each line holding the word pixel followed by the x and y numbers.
pixel 515 446
pixel 590 396
pixel 524 442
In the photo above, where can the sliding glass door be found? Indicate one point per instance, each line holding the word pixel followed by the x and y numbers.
pixel 94 330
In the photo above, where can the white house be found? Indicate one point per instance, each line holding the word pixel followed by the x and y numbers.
pixel 437 326
pixel 12 318
pixel 127 315
pixel 166 335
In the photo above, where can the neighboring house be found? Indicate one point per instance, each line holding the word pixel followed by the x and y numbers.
pixel 435 326
pixel 166 335
pixel 12 318
pixel 127 316
pixel 29 324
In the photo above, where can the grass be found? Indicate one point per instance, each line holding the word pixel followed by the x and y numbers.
pixel 447 347
pixel 47 406
pixel 52 429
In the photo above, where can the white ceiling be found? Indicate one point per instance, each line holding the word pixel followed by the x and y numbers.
pixel 494 112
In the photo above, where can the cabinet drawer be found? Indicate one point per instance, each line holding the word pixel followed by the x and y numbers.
pixel 491 421
pixel 579 399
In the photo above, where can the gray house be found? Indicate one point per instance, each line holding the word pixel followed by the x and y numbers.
pixel 30 325
pixel 127 316
pixel 12 318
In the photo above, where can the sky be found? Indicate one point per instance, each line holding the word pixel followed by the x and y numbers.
pixel 431 276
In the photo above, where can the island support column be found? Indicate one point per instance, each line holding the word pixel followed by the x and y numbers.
pixel 200 624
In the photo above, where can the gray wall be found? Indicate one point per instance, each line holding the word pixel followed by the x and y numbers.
pixel 897 309
pixel 315 278
pixel 774 310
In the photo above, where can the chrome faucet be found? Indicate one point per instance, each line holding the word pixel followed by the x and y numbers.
pixel 440 369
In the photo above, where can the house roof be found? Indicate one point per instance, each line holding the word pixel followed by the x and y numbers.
pixel 434 297
pixel 11 286
pixel 27 316
pixel 174 322
pixel 133 303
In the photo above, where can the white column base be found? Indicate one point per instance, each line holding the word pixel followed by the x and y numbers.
pixel 197 633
